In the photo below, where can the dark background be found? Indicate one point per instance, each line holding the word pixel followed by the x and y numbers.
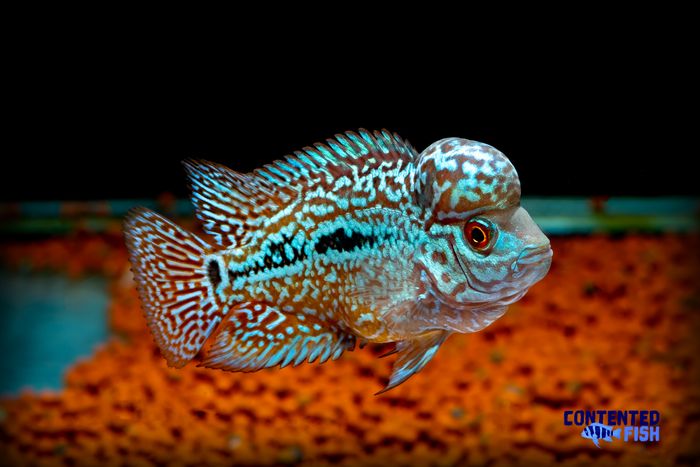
pixel 119 146
pixel 102 124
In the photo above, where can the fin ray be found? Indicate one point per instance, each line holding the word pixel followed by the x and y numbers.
pixel 231 205
pixel 226 202
pixel 168 266
pixel 255 336
pixel 414 354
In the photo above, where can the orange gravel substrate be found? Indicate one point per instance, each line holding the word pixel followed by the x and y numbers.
pixel 614 326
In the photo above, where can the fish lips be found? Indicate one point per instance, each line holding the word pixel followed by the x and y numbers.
pixel 538 260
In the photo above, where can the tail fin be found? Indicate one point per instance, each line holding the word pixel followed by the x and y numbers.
pixel 174 283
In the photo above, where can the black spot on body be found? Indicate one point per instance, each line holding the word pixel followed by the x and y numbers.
pixel 279 250
pixel 214 273
pixel 276 256
pixel 340 240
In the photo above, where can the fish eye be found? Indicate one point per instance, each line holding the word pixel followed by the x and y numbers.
pixel 478 234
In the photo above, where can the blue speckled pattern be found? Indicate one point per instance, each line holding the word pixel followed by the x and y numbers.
pixel 358 238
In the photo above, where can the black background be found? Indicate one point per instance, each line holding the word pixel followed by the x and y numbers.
pixel 104 123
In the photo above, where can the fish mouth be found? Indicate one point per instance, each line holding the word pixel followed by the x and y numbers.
pixel 531 255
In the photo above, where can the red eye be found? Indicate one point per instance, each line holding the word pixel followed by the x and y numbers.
pixel 478 235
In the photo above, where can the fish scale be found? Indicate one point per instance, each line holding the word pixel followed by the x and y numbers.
pixel 332 267
pixel 358 238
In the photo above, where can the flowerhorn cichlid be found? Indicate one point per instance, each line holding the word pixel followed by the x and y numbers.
pixel 358 239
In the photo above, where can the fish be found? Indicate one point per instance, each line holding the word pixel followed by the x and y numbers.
pixel 359 239
pixel 598 431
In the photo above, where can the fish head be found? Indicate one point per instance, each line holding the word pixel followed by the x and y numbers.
pixel 483 249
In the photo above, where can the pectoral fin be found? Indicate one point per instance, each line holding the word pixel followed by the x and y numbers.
pixel 414 354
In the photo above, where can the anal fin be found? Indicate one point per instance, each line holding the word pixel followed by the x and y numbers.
pixel 414 354
pixel 255 336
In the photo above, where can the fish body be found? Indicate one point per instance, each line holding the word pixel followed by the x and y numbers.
pixel 358 239
pixel 598 431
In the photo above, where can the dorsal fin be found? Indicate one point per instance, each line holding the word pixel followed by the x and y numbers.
pixel 336 157
pixel 231 205
pixel 228 202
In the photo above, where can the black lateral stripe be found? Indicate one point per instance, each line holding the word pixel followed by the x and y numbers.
pixel 340 240
pixel 275 257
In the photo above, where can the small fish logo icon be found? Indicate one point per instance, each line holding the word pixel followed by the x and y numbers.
pixel 597 431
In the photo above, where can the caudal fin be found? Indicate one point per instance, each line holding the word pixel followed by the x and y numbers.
pixel 175 285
